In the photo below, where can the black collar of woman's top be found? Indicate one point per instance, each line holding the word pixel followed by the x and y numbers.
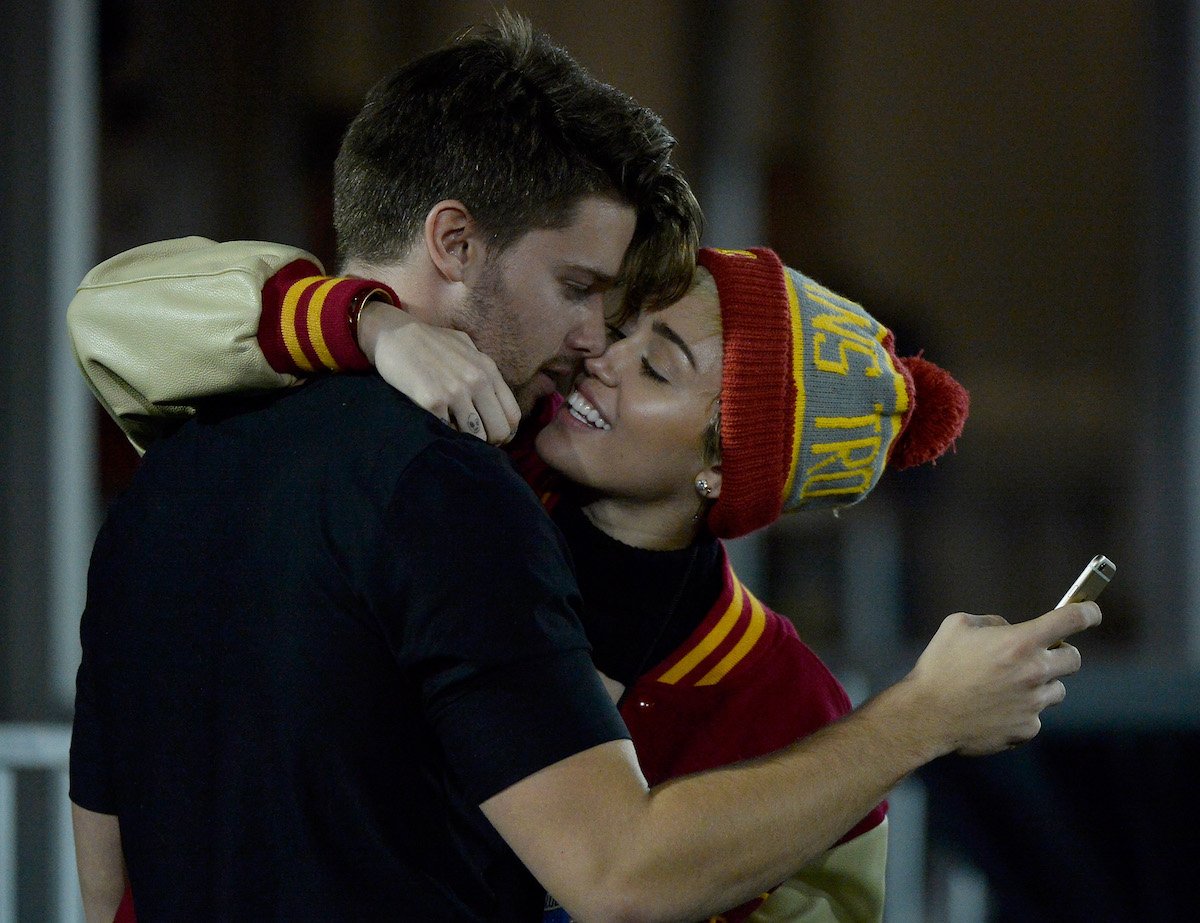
pixel 638 605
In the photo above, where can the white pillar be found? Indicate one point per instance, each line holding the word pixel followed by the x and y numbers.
pixel 871 583
pixel 67 898
pixel 73 79
pixel 732 186
pixel 904 900
pixel 1190 608
pixel 8 843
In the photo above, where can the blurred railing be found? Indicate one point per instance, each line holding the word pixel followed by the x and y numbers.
pixel 37 749
pixel 45 748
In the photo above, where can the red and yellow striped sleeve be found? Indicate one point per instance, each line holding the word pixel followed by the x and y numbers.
pixel 308 319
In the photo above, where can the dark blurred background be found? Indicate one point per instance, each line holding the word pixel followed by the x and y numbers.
pixel 1010 186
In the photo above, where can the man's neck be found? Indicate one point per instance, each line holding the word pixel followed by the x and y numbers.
pixel 415 286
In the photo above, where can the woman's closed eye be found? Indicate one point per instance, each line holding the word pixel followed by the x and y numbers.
pixel 616 334
pixel 652 373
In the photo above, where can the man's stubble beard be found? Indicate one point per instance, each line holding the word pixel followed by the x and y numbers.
pixel 491 321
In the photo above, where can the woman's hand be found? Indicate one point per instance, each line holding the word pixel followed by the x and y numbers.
pixel 440 370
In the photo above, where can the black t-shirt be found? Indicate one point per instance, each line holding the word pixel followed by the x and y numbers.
pixel 319 632
pixel 639 605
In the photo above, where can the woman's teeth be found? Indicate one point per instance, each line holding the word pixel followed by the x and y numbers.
pixel 584 412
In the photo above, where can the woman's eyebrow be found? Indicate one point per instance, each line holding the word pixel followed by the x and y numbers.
pixel 664 331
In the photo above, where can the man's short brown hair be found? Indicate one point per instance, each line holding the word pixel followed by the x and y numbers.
pixel 510 125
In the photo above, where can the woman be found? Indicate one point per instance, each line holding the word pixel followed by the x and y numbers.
pixel 759 392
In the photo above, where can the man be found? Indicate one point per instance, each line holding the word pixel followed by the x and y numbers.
pixel 364 728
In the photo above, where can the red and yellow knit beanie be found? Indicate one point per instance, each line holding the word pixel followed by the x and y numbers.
pixel 814 400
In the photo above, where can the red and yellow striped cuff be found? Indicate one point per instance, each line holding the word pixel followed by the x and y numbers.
pixel 308 319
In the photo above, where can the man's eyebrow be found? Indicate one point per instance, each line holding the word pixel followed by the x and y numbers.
pixel 600 278
pixel 664 331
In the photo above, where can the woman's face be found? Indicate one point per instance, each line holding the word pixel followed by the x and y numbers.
pixel 633 426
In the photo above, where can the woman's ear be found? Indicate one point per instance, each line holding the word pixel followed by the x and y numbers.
pixel 451 239
pixel 708 483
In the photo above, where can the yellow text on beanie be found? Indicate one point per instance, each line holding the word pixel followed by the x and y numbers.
pixel 814 401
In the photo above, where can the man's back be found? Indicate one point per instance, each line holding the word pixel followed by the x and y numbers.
pixel 297 623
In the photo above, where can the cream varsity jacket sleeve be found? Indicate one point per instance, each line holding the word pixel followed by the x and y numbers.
pixel 160 327
pixel 845 885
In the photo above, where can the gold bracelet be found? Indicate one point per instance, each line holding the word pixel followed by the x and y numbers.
pixel 357 303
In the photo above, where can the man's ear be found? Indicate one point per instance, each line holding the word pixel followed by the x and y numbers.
pixel 452 239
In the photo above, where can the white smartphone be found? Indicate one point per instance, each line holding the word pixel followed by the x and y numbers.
pixel 1091 582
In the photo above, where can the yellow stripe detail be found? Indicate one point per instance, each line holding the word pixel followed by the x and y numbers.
pixel 871 420
pixel 798 377
pixel 287 320
pixel 315 307
pixel 710 641
pixel 754 630
pixel 901 393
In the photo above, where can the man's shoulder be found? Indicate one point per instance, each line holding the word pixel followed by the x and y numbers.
pixel 363 408
pixel 428 459
pixel 349 436
pixel 348 416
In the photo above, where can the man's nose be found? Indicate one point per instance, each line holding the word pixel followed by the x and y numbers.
pixel 589 337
